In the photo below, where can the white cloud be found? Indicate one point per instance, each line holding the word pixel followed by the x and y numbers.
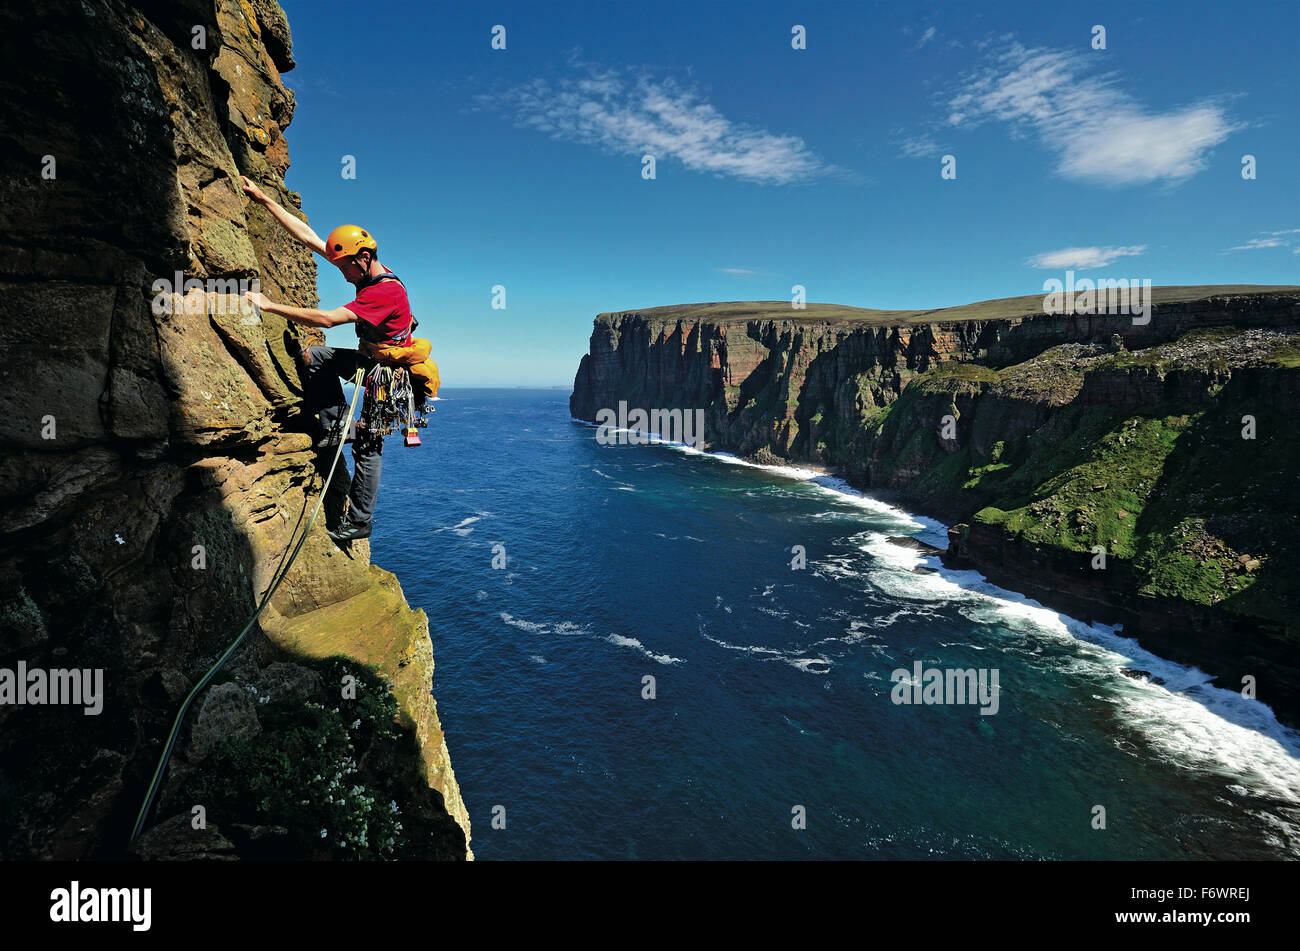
pixel 1082 258
pixel 1099 132
pixel 1271 239
pixel 636 116
pixel 919 146
pixel 738 271
pixel 1254 243
pixel 926 37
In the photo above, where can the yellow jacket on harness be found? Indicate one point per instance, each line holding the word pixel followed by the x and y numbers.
pixel 414 356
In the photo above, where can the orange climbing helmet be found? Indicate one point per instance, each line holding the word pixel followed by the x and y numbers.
pixel 347 240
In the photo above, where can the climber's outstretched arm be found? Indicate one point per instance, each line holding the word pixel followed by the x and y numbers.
pixel 295 226
pixel 307 316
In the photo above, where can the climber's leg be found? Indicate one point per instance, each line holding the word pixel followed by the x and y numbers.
pixel 368 462
pixel 322 392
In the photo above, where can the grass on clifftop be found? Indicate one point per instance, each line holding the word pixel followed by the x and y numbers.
pixel 730 312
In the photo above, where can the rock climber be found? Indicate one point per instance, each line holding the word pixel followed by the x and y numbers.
pixel 384 325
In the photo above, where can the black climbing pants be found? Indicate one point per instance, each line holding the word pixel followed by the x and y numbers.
pixel 323 395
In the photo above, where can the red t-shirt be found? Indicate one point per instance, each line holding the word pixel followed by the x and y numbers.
pixel 383 312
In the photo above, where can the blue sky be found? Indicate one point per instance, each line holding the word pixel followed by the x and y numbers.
pixel 774 166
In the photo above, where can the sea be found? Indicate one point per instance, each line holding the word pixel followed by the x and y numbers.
pixel 653 652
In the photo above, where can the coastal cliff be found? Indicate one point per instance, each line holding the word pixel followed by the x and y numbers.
pixel 1169 448
pixel 156 469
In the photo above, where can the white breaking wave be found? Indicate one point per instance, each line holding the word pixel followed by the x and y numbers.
pixel 857 632
pixel 795 658
pixel 794 472
pixel 621 485
pixel 463 527
pixel 632 642
pixel 570 629
pixel 530 626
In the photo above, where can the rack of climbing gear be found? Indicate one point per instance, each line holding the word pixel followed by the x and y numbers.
pixel 391 402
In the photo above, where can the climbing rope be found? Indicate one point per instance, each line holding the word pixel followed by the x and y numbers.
pixel 266 599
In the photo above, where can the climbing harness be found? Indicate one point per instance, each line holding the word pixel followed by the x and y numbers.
pixel 266 599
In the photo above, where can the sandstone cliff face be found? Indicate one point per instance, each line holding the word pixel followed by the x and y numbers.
pixel 1065 433
pixel 129 435
pixel 788 386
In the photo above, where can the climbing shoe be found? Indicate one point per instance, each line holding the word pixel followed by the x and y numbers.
pixel 350 531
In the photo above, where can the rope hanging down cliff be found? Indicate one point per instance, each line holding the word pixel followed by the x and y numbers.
pixel 266 599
